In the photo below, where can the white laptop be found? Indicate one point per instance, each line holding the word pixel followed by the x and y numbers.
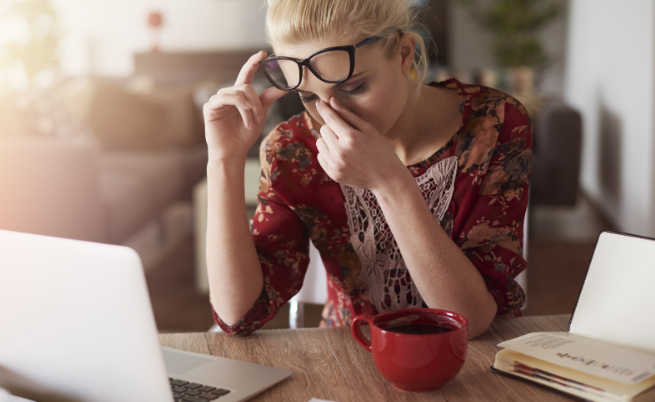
pixel 76 325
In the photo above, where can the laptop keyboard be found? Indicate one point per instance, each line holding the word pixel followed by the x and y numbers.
pixel 185 391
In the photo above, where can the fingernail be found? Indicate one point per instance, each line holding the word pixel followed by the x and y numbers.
pixel 336 102
pixel 318 102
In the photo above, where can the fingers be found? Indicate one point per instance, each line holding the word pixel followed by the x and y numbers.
pixel 324 158
pixel 349 117
pixel 244 108
pixel 258 104
pixel 331 118
pixel 323 149
pixel 235 98
pixel 271 95
pixel 248 70
pixel 258 113
pixel 323 152
pixel 330 138
pixel 323 162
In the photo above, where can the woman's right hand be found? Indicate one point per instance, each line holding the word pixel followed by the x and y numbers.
pixel 235 116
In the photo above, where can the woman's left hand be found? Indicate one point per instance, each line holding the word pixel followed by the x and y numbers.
pixel 353 152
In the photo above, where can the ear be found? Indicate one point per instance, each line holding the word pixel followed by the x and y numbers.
pixel 406 52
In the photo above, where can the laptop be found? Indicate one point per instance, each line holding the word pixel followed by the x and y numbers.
pixel 76 325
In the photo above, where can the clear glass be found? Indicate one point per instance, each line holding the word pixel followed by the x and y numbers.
pixel 333 65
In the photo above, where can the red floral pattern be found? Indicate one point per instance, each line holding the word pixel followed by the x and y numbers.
pixel 298 202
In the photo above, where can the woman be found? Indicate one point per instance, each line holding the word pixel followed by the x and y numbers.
pixel 413 194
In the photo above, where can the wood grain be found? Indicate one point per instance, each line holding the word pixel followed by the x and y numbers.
pixel 192 342
pixel 329 364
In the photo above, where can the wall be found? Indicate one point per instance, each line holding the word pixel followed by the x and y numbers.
pixel 609 77
pixel 100 36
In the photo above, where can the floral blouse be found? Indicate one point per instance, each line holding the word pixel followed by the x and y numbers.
pixel 476 186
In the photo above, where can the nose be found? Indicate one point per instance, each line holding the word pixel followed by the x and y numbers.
pixel 325 98
pixel 310 83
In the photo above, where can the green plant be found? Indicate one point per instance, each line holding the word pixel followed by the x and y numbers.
pixel 34 38
pixel 515 25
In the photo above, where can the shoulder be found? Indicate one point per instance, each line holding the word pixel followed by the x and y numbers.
pixel 494 122
pixel 480 102
pixel 291 142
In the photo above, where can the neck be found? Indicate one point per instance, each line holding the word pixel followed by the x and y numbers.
pixel 410 116
pixel 426 124
pixel 416 124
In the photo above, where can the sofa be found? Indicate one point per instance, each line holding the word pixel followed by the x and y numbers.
pixel 128 154
pixel 105 156
pixel 556 154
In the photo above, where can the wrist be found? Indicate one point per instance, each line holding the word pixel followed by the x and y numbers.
pixel 216 159
pixel 391 185
pixel 226 168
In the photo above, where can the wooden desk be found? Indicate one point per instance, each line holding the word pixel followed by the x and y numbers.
pixel 328 364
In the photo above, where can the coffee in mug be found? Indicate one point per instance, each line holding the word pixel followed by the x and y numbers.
pixel 417 349
pixel 419 329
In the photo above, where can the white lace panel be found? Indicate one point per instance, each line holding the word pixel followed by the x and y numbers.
pixel 383 267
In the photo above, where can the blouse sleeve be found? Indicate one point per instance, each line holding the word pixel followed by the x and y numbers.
pixel 492 235
pixel 281 240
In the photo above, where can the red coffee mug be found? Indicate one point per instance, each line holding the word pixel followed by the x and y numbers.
pixel 415 362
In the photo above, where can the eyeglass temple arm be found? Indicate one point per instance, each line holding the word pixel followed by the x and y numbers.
pixel 374 38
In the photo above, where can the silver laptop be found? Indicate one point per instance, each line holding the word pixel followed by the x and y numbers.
pixel 76 325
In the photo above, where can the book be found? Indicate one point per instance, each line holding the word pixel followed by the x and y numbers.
pixel 608 353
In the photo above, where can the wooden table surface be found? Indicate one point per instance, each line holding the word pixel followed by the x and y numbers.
pixel 329 364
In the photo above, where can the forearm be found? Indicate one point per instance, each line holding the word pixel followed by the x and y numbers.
pixel 442 273
pixel 235 274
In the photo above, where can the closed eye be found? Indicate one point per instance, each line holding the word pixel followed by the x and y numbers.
pixel 356 91
pixel 307 99
pixel 304 99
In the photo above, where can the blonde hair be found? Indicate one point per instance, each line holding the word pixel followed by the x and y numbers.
pixel 293 22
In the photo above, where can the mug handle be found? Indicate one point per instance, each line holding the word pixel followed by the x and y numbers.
pixel 357 333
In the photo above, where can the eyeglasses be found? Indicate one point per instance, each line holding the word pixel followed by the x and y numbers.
pixel 332 65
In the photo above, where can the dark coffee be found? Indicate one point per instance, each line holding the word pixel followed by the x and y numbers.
pixel 419 329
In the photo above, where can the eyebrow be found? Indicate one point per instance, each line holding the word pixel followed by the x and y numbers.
pixel 337 84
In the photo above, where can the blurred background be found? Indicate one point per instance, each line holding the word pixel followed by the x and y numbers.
pixel 101 133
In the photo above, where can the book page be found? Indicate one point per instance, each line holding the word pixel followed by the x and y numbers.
pixel 506 360
pixel 602 359
pixel 617 298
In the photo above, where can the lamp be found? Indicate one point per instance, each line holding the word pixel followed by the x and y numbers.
pixel 155 22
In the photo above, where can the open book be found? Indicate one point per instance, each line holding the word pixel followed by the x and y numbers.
pixel 609 352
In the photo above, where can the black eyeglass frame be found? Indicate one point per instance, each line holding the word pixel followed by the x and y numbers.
pixel 351 54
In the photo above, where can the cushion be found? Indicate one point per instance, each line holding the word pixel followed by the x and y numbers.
pixel 129 203
pixel 119 119
pixel 195 164
pixel 162 173
pixel 183 127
